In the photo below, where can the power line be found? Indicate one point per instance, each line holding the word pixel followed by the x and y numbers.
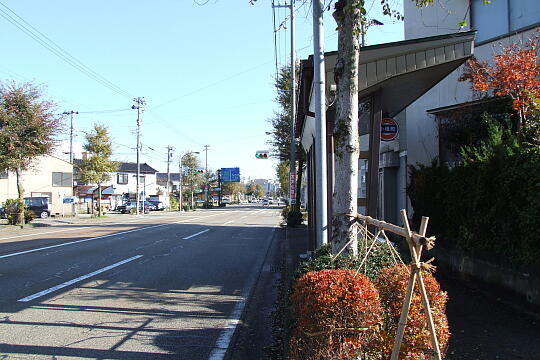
pixel 57 50
pixel 208 86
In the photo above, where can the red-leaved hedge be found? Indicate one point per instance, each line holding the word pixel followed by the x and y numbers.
pixel 392 286
pixel 338 316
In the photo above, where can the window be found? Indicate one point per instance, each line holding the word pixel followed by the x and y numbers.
pixel 122 178
pixel 62 179
pixel 3 174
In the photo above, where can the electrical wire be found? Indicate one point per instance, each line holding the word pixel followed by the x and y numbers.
pixel 208 86
pixel 57 50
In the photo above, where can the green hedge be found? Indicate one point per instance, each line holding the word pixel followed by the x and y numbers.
pixel 489 205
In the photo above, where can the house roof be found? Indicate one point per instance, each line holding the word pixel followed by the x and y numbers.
pixel 86 190
pixel 132 168
pixel 126 167
pixel 402 71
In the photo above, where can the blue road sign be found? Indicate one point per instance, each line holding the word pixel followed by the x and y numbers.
pixel 230 175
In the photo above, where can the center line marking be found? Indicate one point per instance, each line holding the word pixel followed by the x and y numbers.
pixel 80 278
pixel 192 236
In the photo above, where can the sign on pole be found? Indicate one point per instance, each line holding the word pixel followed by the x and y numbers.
pixel 292 188
pixel 389 129
pixel 230 175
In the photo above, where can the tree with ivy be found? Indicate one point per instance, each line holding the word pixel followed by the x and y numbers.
pixel 28 125
pixel 97 167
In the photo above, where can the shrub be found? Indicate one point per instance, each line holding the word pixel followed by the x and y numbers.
pixel 378 259
pixel 292 217
pixel 392 286
pixel 12 207
pixel 338 316
pixel 485 206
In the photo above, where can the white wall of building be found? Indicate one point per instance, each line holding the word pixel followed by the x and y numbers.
pixel 38 181
pixel 442 18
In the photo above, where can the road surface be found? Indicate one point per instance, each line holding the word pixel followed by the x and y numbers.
pixel 165 286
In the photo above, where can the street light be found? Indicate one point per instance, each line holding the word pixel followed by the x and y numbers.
pixel 180 175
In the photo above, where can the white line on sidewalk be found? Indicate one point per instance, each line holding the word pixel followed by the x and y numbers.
pixel 80 278
pixel 197 234
pixel 228 222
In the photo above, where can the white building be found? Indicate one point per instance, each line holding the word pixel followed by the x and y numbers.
pixel 124 180
pixel 48 176
pixel 498 23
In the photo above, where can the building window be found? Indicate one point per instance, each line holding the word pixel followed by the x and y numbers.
pixel 122 179
pixel 3 174
pixel 62 179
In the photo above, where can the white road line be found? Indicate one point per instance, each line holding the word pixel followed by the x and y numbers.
pixel 80 241
pixel 80 278
pixel 197 234
pixel 96 238
pixel 77 227
pixel 228 222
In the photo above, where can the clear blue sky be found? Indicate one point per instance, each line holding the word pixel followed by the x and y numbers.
pixel 206 72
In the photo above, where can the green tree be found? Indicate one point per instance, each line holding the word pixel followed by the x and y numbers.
pixel 190 175
pixel 281 132
pixel 96 168
pixel 28 125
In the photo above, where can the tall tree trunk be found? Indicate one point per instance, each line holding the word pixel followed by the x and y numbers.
pixel 99 200
pixel 346 138
pixel 20 190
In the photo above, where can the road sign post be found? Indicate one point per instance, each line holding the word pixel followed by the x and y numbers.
pixel 292 188
pixel 389 129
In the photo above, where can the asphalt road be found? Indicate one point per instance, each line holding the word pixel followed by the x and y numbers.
pixel 165 286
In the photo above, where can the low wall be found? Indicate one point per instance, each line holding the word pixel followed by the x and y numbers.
pixel 523 284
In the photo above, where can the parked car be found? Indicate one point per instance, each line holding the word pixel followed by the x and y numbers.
pixel 156 205
pixel 127 208
pixel 265 202
pixel 39 206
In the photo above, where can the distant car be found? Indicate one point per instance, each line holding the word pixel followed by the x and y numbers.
pixel 266 202
pixel 270 200
pixel 156 205
pixel 127 208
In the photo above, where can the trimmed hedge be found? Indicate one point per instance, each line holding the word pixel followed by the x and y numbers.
pixel 488 206
pixel 392 286
pixel 338 316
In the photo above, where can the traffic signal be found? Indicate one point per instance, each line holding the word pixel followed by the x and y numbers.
pixel 261 154
pixel 198 172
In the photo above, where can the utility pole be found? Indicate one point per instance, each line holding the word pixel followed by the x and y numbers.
pixel 140 108
pixel 169 157
pixel 180 179
pixel 321 199
pixel 206 174
pixel 71 133
pixel 292 165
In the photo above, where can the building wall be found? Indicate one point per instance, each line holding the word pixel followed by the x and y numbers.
pixel 149 185
pixel 442 18
pixel 37 181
